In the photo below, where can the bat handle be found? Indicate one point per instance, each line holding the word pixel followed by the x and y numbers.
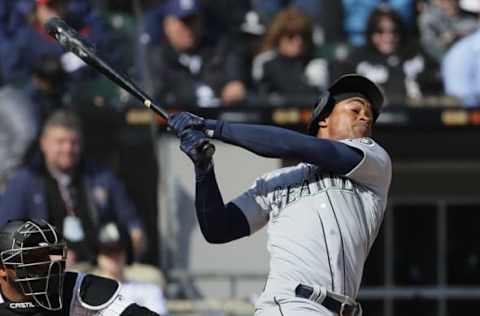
pixel 208 150
pixel 155 108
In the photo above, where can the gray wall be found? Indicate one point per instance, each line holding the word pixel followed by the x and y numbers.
pixel 181 244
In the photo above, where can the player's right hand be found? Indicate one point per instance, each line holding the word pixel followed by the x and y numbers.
pixel 192 142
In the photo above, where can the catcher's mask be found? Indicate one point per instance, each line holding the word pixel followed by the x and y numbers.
pixel 347 86
pixel 37 253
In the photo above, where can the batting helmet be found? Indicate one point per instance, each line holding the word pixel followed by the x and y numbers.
pixel 347 86
pixel 37 253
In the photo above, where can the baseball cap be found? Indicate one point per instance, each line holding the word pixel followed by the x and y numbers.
pixel 252 24
pixel 470 5
pixel 182 8
pixel 113 237
pixel 354 84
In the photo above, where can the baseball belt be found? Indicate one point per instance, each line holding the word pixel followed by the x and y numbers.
pixel 336 303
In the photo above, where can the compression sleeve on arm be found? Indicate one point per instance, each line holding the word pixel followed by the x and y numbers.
pixel 218 222
pixel 275 142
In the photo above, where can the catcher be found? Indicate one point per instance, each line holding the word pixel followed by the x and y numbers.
pixel 33 281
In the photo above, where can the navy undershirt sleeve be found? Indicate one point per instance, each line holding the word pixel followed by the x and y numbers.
pixel 218 222
pixel 275 142
pixel 222 223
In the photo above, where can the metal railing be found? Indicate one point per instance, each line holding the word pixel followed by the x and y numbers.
pixel 387 293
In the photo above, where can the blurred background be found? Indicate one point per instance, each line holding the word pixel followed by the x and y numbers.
pixel 126 206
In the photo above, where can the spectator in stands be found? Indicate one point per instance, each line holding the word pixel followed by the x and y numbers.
pixel 357 12
pixel 188 69
pixel 18 128
pixel 17 54
pixel 64 188
pixel 286 65
pixel 113 261
pixel 461 70
pixel 18 57
pixel 442 23
pixel 13 15
pixel 393 60
pixel 224 18
pixel 246 41
pixel 8 19
pixel 48 88
pixel 326 15
pixel 5 9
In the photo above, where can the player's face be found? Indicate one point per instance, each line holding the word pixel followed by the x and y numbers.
pixel 61 147
pixel 10 288
pixel 350 118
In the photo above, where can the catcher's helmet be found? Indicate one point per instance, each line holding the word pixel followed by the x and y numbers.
pixel 346 86
pixel 37 253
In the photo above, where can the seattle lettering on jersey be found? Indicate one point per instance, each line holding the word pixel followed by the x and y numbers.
pixel 313 184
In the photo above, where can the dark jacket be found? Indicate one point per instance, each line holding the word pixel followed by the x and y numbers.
pixel 276 73
pixel 105 198
pixel 409 73
pixel 30 43
pixel 192 80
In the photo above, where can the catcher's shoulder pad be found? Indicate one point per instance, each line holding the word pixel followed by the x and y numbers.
pixel 96 292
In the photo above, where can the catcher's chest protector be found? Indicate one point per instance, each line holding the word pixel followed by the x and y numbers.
pixel 83 295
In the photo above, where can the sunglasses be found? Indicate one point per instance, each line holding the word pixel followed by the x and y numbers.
pixel 292 35
pixel 386 31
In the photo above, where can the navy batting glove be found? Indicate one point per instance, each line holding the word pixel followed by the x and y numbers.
pixel 192 142
pixel 182 121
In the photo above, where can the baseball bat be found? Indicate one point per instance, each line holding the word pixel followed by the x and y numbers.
pixel 71 41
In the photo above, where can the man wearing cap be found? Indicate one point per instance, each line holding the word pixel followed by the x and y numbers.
pixel 189 69
pixel 323 214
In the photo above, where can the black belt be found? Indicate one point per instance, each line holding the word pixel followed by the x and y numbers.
pixel 332 304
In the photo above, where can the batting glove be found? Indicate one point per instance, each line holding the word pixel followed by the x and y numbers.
pixel 192 142
pixel 182 121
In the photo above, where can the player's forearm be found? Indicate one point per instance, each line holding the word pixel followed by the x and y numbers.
pixel 218 222
pixel 275 142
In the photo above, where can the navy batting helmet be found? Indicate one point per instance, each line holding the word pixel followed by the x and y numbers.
pixel 347 86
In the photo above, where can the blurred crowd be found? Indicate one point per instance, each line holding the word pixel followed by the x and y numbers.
pixel 197 53
pixel 209 53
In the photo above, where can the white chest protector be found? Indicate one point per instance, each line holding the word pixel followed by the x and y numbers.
pixel 93 295
pixel 86 295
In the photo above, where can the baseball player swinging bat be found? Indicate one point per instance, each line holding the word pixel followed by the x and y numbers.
pixel 72 41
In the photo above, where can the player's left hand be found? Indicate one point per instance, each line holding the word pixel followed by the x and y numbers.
pixel 192 143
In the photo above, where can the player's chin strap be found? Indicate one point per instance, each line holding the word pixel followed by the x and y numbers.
pixel 340 304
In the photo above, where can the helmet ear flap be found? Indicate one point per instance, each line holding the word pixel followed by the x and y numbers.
pixel 324 105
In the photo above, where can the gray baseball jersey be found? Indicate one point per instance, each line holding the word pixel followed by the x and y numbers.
pixel 321 226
